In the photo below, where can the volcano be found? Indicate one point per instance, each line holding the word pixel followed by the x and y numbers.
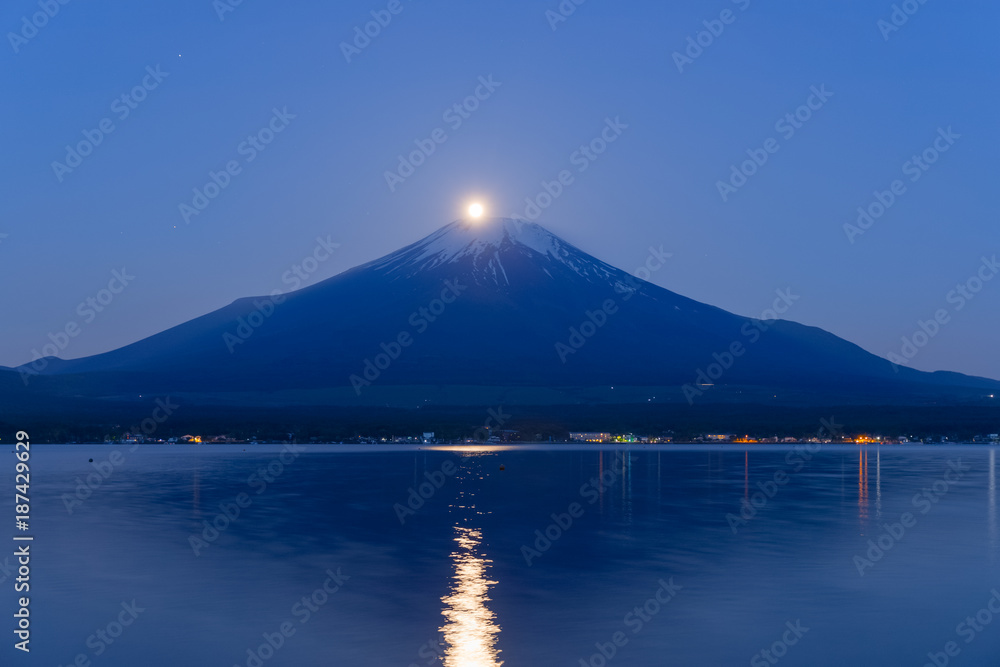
pixel 492 311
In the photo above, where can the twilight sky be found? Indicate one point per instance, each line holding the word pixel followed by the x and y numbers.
pixel 198 86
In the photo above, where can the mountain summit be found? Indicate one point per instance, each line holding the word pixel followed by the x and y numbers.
pixel 480 249
pixel 488 237
pixel 493 311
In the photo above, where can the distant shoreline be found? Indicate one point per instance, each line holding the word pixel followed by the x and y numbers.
pixel 569 446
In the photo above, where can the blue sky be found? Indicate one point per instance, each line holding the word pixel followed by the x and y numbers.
pixel 323 175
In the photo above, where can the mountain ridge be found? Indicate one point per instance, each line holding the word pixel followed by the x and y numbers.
pixel 525 297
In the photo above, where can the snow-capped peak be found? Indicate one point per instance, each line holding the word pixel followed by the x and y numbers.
pixel 464 237
pixel 484 244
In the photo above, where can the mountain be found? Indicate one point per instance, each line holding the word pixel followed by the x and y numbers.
pixel 493 310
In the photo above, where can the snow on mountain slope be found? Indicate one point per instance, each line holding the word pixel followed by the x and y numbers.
pixel 486 244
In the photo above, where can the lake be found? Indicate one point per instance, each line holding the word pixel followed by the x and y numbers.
pixel 543 555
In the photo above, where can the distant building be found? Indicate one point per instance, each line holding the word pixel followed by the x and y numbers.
pixel 428 436
pixel 588 436
pixel 718 437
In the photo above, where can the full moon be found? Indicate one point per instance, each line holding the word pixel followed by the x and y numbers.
pixel 476 210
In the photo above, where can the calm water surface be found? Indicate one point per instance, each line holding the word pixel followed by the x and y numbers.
pixel 684 555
